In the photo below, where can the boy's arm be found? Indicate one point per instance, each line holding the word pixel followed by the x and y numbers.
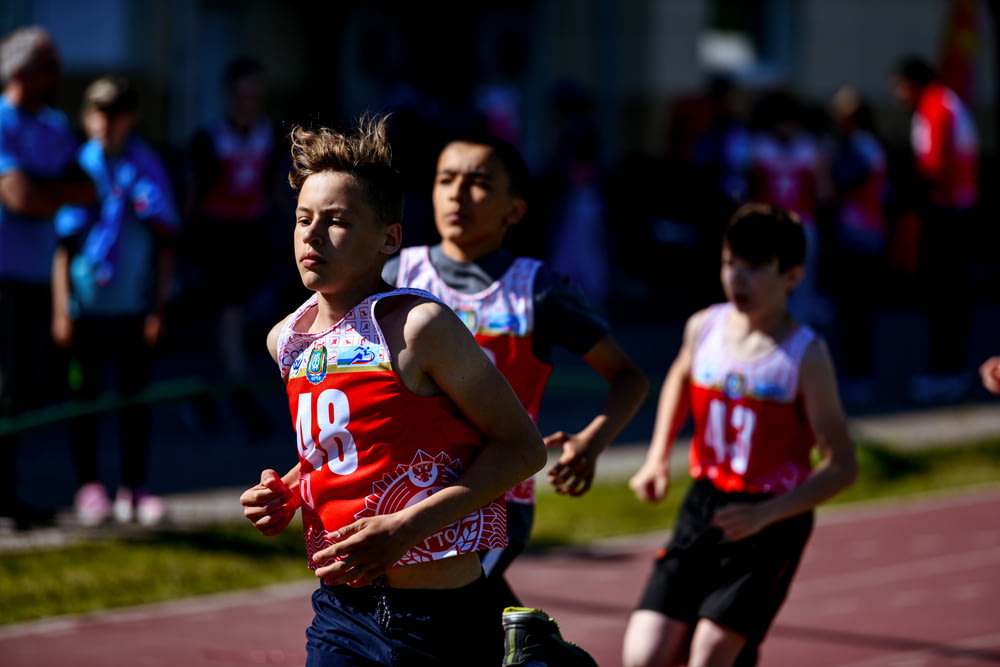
pixel 652 481
pixel 62 324
pixel 271 504
pixel 447 357
pixel 41 198
pixel 838 466
pixel 574 473
pixel 164 273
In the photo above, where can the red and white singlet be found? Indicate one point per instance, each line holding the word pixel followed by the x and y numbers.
pixel 750 433
pixel 367 444
pixel 502 318
pixel 785 174
pixel 946 147
pixel 240 191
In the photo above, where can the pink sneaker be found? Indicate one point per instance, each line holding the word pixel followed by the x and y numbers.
pixel 149 509
pixel 124 511
pixel 91 504
pixel 139 505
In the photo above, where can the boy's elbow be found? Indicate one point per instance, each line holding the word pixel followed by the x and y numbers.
pixel 849 471
pixel 539 455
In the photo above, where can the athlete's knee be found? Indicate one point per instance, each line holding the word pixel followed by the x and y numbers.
pixel 713 645
pixel 655 640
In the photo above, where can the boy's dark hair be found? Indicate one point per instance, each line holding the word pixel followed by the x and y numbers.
pixel 916 69
pixel 364 153
pixel 111 93
pixel 508 154
pixel 760 232
pixel 241 67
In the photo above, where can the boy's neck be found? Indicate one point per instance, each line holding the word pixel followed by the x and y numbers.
pixel 333 306
pixel 470 253
pixel 776 323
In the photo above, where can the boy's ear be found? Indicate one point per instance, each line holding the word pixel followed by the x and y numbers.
pixel 794 276
pixel 393 239
pixel 518 208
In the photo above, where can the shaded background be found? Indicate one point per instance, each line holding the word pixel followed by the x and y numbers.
pixel 536 68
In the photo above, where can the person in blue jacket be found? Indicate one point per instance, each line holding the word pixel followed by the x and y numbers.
pixel 111 282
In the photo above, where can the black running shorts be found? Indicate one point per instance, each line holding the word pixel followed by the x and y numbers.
pixel 738 585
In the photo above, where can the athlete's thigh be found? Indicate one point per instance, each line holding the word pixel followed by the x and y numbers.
pixel 713 644
pixel 655 640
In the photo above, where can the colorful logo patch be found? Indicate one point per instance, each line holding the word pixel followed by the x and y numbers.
pixel 769 390
pixel 468 317
pixel 736 385
pixel 316 367
pixel 357 355
pixel 503 324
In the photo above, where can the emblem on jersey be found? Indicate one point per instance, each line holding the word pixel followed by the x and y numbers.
pixel 468 317
pixel 770 391
pixel 736 385
pixel 504 324
pixel 357 355
pixel 316 367
pixel 423 477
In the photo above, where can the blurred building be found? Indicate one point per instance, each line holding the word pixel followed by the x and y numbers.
pixel 336 59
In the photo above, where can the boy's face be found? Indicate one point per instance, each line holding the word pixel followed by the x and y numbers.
pixel 41 74
pixel 754 288
pixel 905 90
pixel 473 206
pixel 110 128
pixel 339 241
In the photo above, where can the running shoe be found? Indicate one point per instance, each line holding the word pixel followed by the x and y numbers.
pixel 139 505
pixel 532 639
pixel 92 504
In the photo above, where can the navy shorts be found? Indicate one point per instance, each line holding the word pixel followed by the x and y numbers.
pixel 376 626
pixel 738 585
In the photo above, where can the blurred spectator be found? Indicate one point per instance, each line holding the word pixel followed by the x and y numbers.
pixel 578 243
pixel 423 114
pixel 859 175
pixel 705 180
pixel 944 194
pixel 38 174
pixel 707 132
pixel 498 95
pixel 787 169
pixel 236 201
pixel 111 278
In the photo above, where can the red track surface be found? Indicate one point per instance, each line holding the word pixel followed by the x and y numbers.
pixel 907 584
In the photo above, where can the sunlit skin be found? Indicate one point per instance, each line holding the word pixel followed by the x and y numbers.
pixel 339 244
pixel 473 206
pixel 989 371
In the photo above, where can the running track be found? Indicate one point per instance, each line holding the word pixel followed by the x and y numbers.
pixel 905 584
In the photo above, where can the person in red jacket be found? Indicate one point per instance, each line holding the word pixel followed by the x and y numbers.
pixel 944 194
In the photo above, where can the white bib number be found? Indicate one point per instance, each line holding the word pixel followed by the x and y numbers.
pixel 743 421
pixel 335 449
